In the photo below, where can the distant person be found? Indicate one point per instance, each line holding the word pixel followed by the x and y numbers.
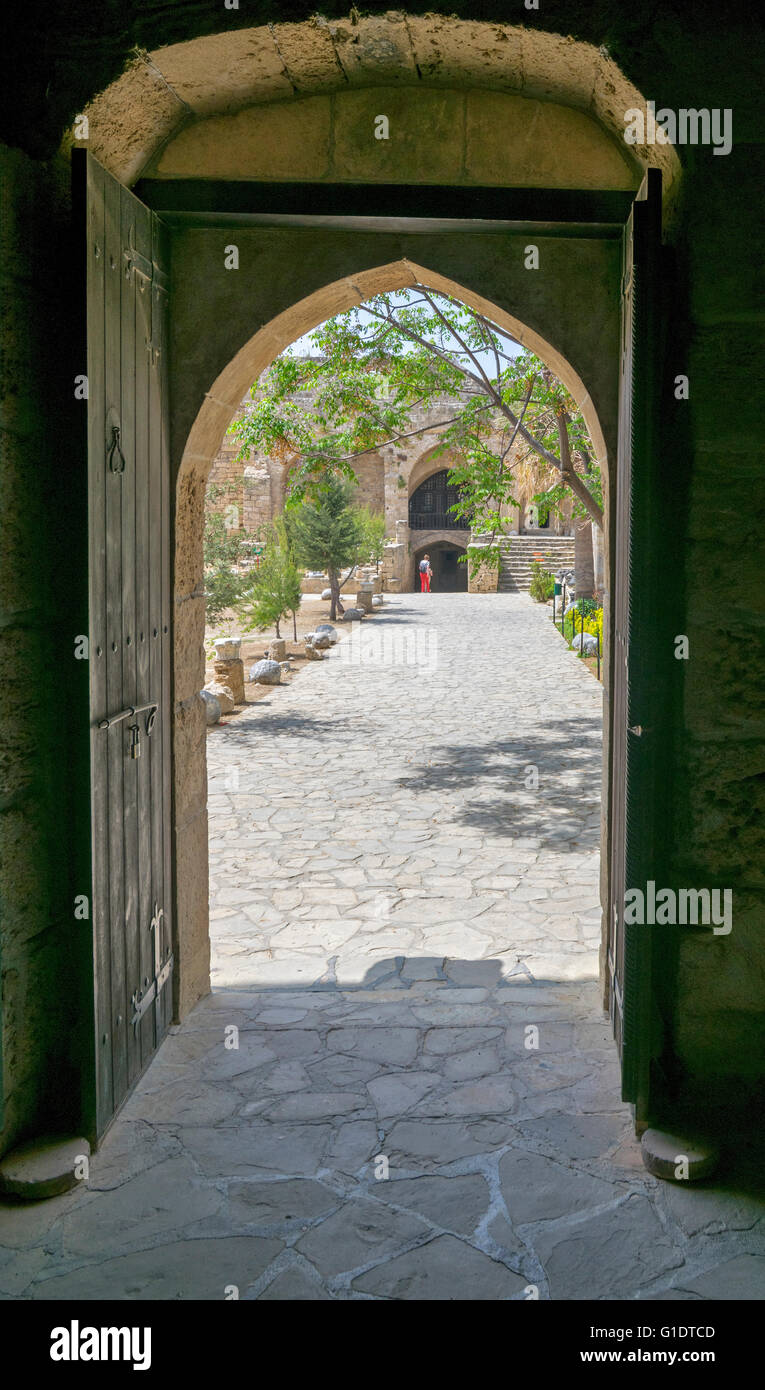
pixel 426 574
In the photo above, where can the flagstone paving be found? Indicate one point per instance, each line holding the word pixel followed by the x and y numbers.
pixel 403 1085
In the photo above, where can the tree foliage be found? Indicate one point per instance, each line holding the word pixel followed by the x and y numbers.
pixel 374 365
pixel 326 532
pixel 372 536
pixel 226 548
pixel 275 587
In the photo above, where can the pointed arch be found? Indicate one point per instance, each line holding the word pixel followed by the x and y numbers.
pixel 231 385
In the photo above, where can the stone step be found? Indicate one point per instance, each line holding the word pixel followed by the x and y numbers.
pixel 525 567
pixel 517 555
pixel 520 568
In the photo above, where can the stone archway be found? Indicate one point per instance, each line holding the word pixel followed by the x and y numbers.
pixel 445 552
pixel 177 83
pixel 563 99
pixel 428 463
pixel 220 403
pixel 170 114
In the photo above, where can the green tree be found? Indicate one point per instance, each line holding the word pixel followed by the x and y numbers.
pixel 226 547
pixel 275 588
pixel 375 364
pixel 283 529
pixel 372 527
pixel 326 533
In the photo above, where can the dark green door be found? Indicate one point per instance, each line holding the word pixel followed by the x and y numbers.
pixel 634 681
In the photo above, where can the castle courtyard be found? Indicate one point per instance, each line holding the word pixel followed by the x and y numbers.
pixel 403 1085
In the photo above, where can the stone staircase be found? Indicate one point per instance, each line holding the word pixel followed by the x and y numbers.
pixel 517 553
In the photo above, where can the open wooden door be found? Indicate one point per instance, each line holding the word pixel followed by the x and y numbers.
pixel 129 628
pixel 634 682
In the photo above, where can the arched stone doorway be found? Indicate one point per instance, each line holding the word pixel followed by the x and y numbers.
pixel 584 325
pixel 450 574
pixel 179 79
pixel 218 402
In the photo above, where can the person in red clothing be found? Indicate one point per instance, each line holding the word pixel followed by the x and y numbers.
pixel 426 574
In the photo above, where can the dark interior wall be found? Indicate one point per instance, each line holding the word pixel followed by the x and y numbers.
pixel 44 950
pixel 680 53
pixel 714 450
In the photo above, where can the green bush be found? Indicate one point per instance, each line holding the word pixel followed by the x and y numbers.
pixel 542 585
pixel 275 587
pixel 593 621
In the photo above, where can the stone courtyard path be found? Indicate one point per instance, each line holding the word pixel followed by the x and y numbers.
pixel 377 816
pixel 424 1100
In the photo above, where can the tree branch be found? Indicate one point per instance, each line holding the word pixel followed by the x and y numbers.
pixel 570 477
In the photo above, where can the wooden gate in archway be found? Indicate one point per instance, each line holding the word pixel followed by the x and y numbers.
pixel 130 637
pixel 126 273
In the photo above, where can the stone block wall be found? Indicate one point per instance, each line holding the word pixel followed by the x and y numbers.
pixel 369 491
pixel 257 497
pixel 474 137
pixel 386 478
pixel 485 579
pixel 259 485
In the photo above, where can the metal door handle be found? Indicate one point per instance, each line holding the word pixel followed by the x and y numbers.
pixel 117 465
pixel 126 713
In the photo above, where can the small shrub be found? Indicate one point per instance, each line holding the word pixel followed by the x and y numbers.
pixel 275 587
pixel 542 586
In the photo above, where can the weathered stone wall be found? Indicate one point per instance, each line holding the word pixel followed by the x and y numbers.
pixel 228 471
pixel 572 94
pixel 257 487
pixel 369 490
pixel 258 505
pixel 386 480
pixel 485 578
pixel 475 137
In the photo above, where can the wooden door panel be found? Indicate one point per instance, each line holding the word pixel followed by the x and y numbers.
pixel 139 236
pixel 633 687
pixel 91 189
pixel 129 510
